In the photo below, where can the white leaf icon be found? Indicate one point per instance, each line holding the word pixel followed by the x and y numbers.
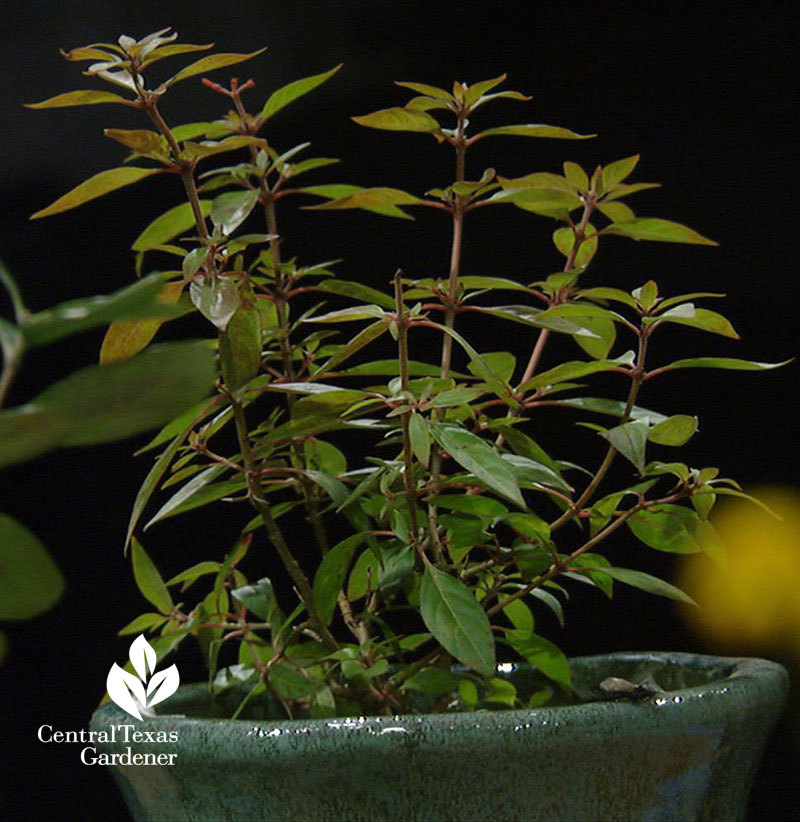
pixel 163 684
pixel 126 690
pixel 142 657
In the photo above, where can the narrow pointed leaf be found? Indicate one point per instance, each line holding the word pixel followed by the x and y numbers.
pixel 533 130
pixel 456 619
pixel 96 186
pixel 654 228
pixel 399 119
pixel 429 91
pixel 370 198
pixel 647 582
pixel 336 191
pixel 703 319
pixel 724 363
pixel 618 171
pixel 79 98
pixel 210 63
pixel 289 93
pixel 149 580
pixel 358 291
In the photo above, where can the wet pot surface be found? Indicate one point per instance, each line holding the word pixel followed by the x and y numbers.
pixel 688 751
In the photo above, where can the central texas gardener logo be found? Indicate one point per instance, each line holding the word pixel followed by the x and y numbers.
pixel 138 694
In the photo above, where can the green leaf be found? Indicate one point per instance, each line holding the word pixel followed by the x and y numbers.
pixel 676 430
pixel 456 619
pixel 96 186
pixel 523 445
pixel 630 440
pixel 258 598
pixel 369 198
pixel 363 338
pixel 533 130
pixel 420 438
pixel 546 656
pixel 30 582
pixel 148 579
pixel 331 574
pixel 601 293
pixel 667 528
pixel 210 63
pixel 357 291
pixel 653 228
pixel 240 347
pixel 724 363
pixel 529 525
pixel 428 91
pixel 142 623
pixel 199 491
pixel 230 210
pixel 616 211
pixel 364 312
pixel 290 92
pixel 196 151
pixel 137 301
pixel 126 338
pixel 79 98
pixel 144 142
pixel 399 119
pixel 576 176
pixel 544 201
pixel 217 299
pixel 169 225
pixel 111 402
pixel 478 457
pixel 432 681
pixel 195 572
pixel 615 408
pixel 571 370
pixel 501 692
pixel 485 508
pixel 700 318
pixel 648 583
pixel 617 171
pixel 335 191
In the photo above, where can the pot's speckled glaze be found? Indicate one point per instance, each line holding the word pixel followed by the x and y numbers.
pixel 687 754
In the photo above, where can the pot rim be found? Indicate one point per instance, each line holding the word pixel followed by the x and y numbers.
pixel 740 682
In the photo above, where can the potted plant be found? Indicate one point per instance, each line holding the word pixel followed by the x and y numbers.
pixel 368 684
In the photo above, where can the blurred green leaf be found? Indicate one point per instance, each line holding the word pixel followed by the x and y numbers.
pixel 630 440
pixel 111 402
pixel 724 363
pixel 30 582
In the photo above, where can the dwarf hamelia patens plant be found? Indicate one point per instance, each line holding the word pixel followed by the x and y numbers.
pixel 462 525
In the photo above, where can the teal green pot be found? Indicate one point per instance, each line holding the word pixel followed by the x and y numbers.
pixel 687 752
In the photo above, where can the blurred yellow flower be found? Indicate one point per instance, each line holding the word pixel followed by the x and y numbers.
pixel 750 599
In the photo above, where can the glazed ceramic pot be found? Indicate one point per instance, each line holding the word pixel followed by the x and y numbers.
pixel 688 751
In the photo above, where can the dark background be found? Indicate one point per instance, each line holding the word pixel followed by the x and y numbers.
pixel 705 93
